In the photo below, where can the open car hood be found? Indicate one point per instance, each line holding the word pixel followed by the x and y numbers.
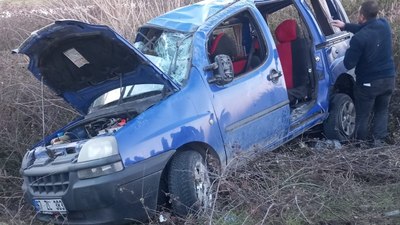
pixel 80 62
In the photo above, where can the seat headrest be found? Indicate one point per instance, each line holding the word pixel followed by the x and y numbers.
pixel 286 31
pixel 223 44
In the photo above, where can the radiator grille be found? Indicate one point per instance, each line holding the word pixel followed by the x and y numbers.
pixel 49 184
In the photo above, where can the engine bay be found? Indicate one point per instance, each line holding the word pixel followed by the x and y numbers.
pixel 105 121
pixel 87 129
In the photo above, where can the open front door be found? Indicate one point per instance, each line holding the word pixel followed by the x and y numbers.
pixel 253 110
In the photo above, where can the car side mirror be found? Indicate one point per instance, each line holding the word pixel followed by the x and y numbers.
pixel 223 70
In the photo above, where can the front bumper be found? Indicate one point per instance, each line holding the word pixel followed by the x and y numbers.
pixel 125 196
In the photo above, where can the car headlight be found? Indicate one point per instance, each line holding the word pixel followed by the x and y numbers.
pixel 95 149
pixel 98 148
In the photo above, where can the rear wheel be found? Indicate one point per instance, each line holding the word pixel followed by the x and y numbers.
pixel 189 183
pixel 340 125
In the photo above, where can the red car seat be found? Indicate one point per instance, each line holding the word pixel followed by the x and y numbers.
pixel 223 44
pixel 292 52
pixel 286 33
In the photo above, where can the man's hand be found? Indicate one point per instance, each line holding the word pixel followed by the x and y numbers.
pixel 338 23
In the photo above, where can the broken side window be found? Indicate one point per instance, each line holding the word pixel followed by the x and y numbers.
pixel 240 38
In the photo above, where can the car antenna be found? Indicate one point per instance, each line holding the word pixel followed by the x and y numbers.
pixel 48 151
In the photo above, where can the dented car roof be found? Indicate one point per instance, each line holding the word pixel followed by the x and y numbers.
pixel 189 18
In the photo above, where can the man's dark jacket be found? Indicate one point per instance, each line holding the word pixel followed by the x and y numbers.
pixel 370 51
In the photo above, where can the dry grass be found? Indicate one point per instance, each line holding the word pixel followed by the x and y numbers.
pixel 298 184
pixel 20 127
pixel 122 15
pixel 307 186
pixel 17 21
pixel 290 186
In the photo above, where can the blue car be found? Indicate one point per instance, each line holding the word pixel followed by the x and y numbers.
pixel 163 116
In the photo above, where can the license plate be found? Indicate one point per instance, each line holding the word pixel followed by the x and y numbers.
pixel 49 206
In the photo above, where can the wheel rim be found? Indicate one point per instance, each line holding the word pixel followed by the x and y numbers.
pixel 203 184
pixel 348 118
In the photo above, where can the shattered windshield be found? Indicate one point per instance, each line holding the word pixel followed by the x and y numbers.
pixel 170 51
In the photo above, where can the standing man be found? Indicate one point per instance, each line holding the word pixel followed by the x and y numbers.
pixel 371 54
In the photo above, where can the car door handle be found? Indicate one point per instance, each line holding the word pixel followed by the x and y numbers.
pixel 274 76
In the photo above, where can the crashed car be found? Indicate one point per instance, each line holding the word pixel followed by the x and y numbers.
pixel 162 115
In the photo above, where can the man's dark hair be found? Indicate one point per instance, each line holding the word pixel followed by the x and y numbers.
pixel 369 9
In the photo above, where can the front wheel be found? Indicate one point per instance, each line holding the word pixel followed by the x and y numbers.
pixel 189 183
pixel 341 122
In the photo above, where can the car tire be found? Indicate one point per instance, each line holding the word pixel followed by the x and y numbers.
pixel 340 124
pixel 189 183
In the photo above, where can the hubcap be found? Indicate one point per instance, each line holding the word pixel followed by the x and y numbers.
pixel 348 118
pixel 202 182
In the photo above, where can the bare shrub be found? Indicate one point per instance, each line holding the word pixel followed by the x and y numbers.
pixel 21 125
pixel 391 10
pixel 17 21
pixel 124 16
